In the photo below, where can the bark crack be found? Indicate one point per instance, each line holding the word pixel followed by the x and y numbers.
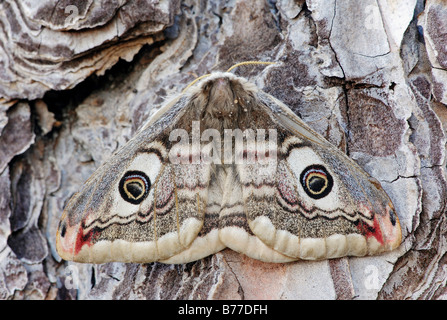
pixel 329 40
pixel 372 57
pixel 240 289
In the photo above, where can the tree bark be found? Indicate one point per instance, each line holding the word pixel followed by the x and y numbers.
pixel 78 78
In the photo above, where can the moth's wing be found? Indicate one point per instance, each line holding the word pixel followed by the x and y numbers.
pixel 314 202
pixel 234 230
pixel 138 206
pixel 207 242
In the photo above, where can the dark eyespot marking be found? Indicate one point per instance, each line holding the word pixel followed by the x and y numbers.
pixel 134 186
pixel 63 229
pixel 393 217
pixel 316 181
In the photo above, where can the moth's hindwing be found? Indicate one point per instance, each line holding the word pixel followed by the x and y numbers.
pixel 207 242
pixel 234 231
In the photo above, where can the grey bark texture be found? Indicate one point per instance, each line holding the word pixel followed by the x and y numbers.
pixel 78 78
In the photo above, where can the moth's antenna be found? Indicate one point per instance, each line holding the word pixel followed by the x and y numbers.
pixel 249 62
pixel 195 80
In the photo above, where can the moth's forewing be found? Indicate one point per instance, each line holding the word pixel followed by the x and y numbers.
pixel 138 206
pixel 323 205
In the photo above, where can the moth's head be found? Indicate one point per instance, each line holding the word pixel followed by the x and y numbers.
pixel 223 100
pixel 220 84
pixel 210 79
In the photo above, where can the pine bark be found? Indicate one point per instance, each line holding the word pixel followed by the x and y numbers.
pixel 78 78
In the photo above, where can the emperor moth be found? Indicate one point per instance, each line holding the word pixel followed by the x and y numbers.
pixel 278 191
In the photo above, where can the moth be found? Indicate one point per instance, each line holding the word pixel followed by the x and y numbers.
pixel 224 164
